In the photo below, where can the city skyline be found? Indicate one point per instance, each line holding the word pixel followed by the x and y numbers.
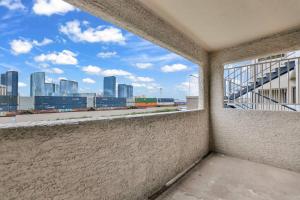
pixel 39 86
pixel 78 46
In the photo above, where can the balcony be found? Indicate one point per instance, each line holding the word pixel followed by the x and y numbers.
pixel 208 153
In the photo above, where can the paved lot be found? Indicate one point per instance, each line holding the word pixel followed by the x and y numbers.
pixel 77 115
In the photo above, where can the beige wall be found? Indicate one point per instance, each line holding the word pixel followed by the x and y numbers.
pixel 262 136
pixel 122 158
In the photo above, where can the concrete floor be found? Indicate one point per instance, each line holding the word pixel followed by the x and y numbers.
pixel 221 177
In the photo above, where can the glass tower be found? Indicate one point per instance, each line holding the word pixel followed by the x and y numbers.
pixel 10 80
pixel 3 79
pixel 68 88
pixel 122 91
pixel 49 89
pixel 109 86
pixel 37 84
pixel 56 90
pixel 125 91
pixel 129 91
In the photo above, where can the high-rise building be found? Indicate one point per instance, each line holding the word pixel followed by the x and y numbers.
pixel 49 89
pixel 3 79
pixel 129 91
pixel 109 86
pixel 68 88
pixel 122 91
pixel 10 80
pixel 56 90
pixel 37 84
pixel 125 91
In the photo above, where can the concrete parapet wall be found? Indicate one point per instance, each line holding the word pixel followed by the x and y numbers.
pixel 116 159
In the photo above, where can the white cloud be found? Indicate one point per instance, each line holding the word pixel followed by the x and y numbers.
pixel 21 84
pixel 90 69
pixel 95 70
pixel 140 78
pixel 144 65
pixel 23 46
pixel 149 86
pixel 145 58
pixel 88 80
pixel 20 46
pixel 174 68
pixel 12 4
pixel 46 41
pixel 54 71
pixel 190 86
pixel 50 7
pixel 65 57
pixel 107 54
pixel 99 34
pixel 115 72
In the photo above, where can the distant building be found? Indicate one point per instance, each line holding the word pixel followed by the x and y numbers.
pixel 3 79
pixel 122 90
pixel 56 90
pixel 129 91
pixel 125 91
pixel 10 80
pixel 37 84
pixel 49 89
pixel 68 88
pixel 109 86
pixel 2 90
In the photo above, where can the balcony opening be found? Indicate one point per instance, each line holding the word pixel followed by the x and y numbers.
pixel 270 83
pixel 81 63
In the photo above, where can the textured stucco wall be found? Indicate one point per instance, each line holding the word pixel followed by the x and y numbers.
pixel 262 136
pixel 115 159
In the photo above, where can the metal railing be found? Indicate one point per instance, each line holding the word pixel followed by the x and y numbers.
pixel 272 85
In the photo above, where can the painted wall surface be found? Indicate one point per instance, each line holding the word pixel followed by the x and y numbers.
pixel 116 159
pixel 263 136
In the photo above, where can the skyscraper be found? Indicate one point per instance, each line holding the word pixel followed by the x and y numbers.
pixel 68 88
pixel 37 84
pixel 56 90
pixel 49 89
pixel 109 86
pixel 122 91
pixel 10 80
pixel 129 91
pixel 125 91
pixel 3 79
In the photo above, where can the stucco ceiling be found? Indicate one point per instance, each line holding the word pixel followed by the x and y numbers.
pixel 218 24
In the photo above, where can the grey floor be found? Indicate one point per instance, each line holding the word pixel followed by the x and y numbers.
pixel 221 177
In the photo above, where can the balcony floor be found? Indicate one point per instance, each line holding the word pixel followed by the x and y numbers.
pixel 221 177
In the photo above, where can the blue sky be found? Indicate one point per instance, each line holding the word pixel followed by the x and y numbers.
pixel 65 42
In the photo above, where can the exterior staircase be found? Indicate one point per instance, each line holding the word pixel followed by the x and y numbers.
pixel 260 79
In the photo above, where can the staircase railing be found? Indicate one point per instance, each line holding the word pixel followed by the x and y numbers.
pixel 274 101
pixel 247 79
